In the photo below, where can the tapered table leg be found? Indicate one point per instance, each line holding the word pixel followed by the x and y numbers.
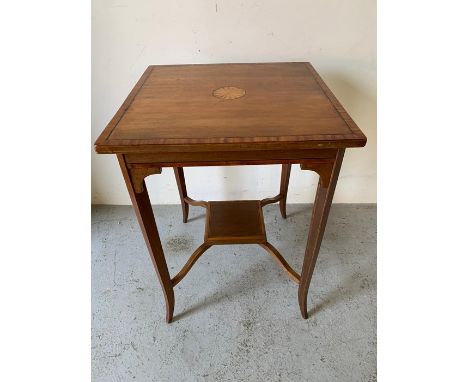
pixel 323 200
pixel 180 179
pixel 285 173
pixel 144 212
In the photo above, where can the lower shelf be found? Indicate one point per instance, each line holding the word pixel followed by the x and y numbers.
pixel 235 222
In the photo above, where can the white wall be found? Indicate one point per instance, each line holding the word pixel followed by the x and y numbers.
pixel 337 36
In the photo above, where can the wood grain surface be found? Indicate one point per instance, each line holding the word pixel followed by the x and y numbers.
pixel 283 103
pixel 231 114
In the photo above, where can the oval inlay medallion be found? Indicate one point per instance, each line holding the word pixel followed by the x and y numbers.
pixel 229 92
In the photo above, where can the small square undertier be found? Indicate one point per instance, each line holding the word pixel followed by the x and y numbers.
pixel 235 222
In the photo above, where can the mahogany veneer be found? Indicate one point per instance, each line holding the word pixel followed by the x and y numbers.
pixel 235 222
pixel 230 114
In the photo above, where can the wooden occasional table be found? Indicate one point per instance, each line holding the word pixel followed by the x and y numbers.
pixel 223 115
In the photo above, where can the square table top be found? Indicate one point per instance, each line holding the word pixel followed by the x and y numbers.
pixel 231 105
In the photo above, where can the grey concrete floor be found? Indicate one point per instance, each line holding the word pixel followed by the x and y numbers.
pixel 236 313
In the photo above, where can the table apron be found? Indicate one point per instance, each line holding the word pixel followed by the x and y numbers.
pixel 229 158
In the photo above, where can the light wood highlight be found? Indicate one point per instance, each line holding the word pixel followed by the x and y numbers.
pixel 229 92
